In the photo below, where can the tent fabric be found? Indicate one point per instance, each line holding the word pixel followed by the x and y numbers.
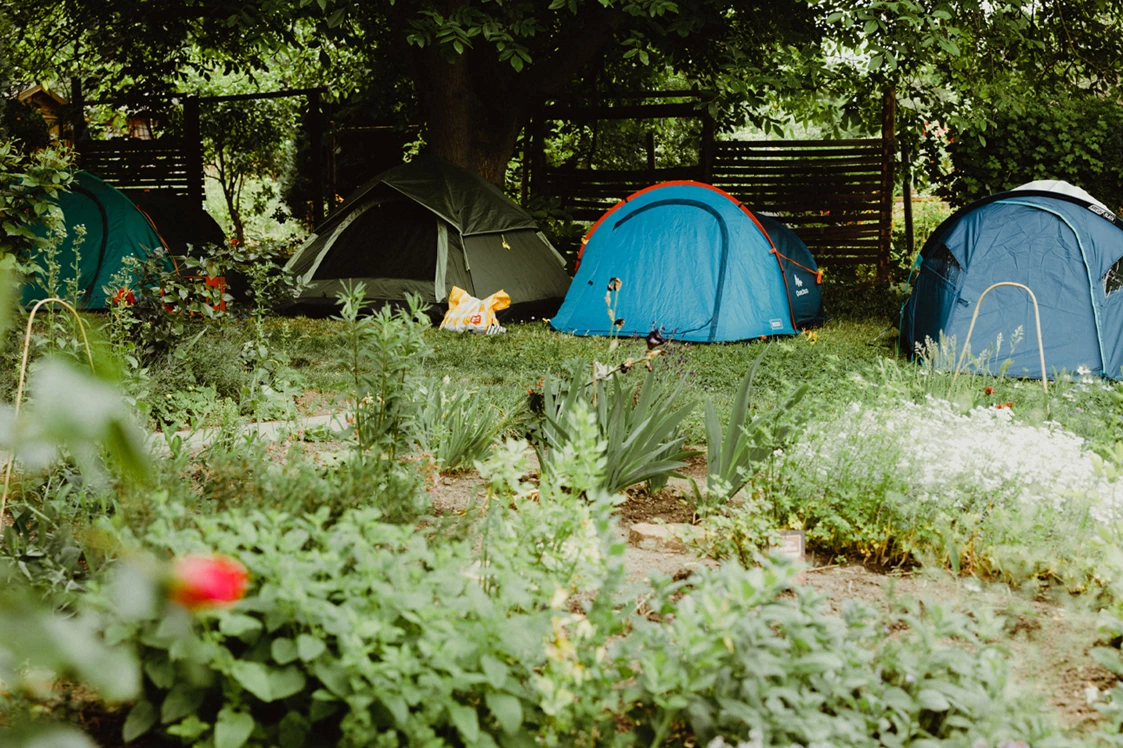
pixel 1064 248
pixel 114 229
pixel 425 227
pixel 693 263
pixel 1060 188
pixel 185 228
pixel 797 263
pixel 463 199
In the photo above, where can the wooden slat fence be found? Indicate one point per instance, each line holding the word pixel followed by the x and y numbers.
pixel 835 194
pixel 828 191
pixel 587 193
pixel 142 164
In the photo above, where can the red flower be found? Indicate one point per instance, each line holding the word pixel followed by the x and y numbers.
pixel 988 390
pixel 125 296
pixel 208 581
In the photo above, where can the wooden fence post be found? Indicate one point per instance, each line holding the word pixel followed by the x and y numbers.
pixel 888 156
pixel 906 193
pixel 707 147
pixel 193 150
pixel 316 143
pixel 528 137
pixel 78 114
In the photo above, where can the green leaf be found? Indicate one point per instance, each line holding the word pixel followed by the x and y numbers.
pixel 495 670
pixel 309 647
pixel 254 677
pixel 55 736
pixel 240 626
pixel 507 709
pixel 160 671
pixel 334 677
pixel 180 702
pixel 232 729
pixel 190 728
pixel 140 720
pixel 1108 657
pixel 285 682
pixel 284 650
pixel 932 700
pixel 466 721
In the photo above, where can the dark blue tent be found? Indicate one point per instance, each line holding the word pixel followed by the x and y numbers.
pixel 695 263
pixel 1060 243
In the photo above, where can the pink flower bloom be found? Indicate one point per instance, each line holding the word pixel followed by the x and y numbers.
pixel 208 581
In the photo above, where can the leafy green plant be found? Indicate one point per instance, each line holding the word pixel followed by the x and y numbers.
pixel 39 640
pixel 339 649
pixel 730 653
pixel 456 428
pixel 640 429
pixel 1049 135
pixel 742 532
pixel 268 391
pixel 241 473
pixel 733 458
pixel 383 353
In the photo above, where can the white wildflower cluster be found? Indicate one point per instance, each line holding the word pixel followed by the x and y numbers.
pixel 939 454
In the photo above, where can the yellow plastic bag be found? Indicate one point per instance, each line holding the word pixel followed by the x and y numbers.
pixel 466 313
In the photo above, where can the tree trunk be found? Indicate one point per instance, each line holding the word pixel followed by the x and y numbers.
pixel 475 105
pixel 474 128
pixel 229 192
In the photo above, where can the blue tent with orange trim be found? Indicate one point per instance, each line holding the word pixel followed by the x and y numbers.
pixel 694 263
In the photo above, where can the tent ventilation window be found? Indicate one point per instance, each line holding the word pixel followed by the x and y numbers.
pixel 1113 281
pixel 944 264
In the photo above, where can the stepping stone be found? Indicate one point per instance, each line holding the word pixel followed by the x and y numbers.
pixel 652 537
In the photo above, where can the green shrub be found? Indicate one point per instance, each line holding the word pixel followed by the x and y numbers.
pixel 1054 135
pixel 359 632
pixel 962 487
pixel 732 655
pixel 254 474
pixel 639 428
pixel 456 426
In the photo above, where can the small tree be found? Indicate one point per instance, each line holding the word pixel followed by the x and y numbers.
pixel 243 139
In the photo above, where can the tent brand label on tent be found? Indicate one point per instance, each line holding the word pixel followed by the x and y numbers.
pixel 798 282
pixel 1099 211
pixel 776 323
pixel 802 291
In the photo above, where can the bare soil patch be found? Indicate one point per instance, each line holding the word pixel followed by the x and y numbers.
pixel 667 505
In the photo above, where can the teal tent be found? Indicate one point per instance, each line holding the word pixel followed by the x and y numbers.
pixel 114 229
pixel 694 263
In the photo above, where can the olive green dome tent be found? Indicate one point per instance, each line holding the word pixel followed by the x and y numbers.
pixel 424 227
pixel 114 229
